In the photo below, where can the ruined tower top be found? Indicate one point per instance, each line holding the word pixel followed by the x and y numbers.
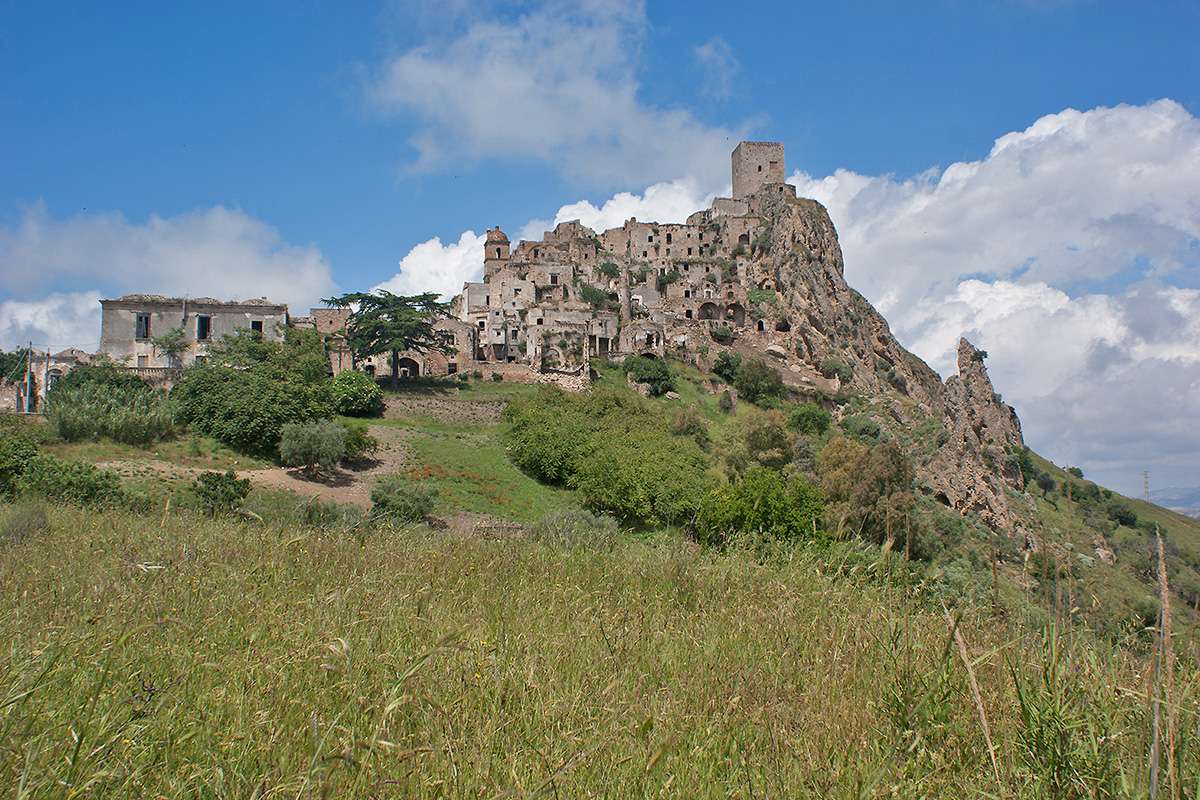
pixel 756 164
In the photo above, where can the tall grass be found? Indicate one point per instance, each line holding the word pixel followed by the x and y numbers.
pixel 206 658
pixel 132 414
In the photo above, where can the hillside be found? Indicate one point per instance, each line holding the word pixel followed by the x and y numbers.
pixel 211 658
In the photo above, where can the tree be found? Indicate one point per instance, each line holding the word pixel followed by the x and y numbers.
pixel 757 380
pixel 172 344
pixel 382 322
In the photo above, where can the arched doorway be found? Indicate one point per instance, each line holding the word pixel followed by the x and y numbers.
pixel 408 368
pixel 735 314
pixel 708 311
pixel 744 239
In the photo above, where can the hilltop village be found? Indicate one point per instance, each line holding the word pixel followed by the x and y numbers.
pixel 759 273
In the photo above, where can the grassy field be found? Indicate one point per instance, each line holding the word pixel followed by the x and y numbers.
pixel 188 657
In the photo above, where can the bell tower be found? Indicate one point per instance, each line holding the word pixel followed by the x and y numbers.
pixel 495 252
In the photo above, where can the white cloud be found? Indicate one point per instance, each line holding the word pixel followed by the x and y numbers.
pixel 435 267
pixel 1077 197
pixel 215 252
pixel 718 65
pixel 557 85
pixel 1062 254
pixel 54 322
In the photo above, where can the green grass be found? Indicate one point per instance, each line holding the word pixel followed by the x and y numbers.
pixel 207 658
pixel 200 452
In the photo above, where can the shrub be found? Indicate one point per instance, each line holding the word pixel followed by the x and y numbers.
pixel 861 426
pixel 722 334
pixel 359 442
pixel 609 270
pixel 725 401
pixel 71 482
pixel 1121 513
pixel 1046 483
pixel 315 446
pixel 688 422
pixel 809 418
pixel 653 371
pixel 326 514
pixel 16 454
pixel 397 498
pixel 757 380
pixel 644 477
pixel 595 297
pixel 221 492
pixel 547 434
pixel 834 367
pixel 576 528
pixel 667 278
pixel 761 439
pixel 763 504
pixel 247 408
pixel 726 366
pixel 90 402
pixel 1076 471
pixel 497 377
pixel 356 394
pixel 23 521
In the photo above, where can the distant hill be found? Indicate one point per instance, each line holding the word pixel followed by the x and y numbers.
pixel 1185 500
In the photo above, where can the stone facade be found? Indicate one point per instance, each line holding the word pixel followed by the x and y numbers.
pixel 129 325
pixel 756 164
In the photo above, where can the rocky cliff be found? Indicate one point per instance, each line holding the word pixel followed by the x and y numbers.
pixel 832 328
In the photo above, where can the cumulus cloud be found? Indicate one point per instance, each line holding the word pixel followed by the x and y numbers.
pixel 1066 253
pixel 558 85
pixel 215 252
pixel 54 322
pixel 435 267
pixel 1076 198
pixel 718 65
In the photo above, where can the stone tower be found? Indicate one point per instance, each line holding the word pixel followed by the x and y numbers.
pixel 754 165
pixel 495 252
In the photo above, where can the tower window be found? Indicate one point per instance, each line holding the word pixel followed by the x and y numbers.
pixel 142 328
pixel 497 252
pixel 553 279
pixel 203 328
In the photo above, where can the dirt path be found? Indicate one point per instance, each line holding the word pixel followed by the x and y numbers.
pixel 345 485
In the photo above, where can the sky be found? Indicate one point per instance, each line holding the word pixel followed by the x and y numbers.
pixel 1024 173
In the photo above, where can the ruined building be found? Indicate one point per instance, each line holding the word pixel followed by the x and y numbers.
pixel 129 325
pixel 759 273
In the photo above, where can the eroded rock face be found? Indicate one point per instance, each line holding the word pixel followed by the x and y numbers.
pixel 971 467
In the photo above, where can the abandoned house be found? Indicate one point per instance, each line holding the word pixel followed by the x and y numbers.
pixel 130 324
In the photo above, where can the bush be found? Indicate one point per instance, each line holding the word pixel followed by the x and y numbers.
pixel 497 377
pixel 609 270
pixel 16 454
pixel 359 442
pixel 688 422
pixel 756 380
pixel 90 402
pixel 247 408
pixel 861 426
pixel 653 371
pixel 726 366
pixel 356 394
pixel 315 446
pixel 221 492
pixel 809 418
pixel 71 482
pixel 762 504
pixel 722 334
pixel 576 528
pixel 612 446
pixel 1121 513
pixel 23 521
pixel 725 401
pixel 396 498
pixel 834 367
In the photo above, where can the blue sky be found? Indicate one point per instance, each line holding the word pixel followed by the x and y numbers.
pixel 294 149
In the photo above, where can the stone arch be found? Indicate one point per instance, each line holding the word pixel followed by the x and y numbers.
pixel 744 239
pixel 736 314
pixel 709 311
pixel 408 367
pixel 762 326
pixel 784 325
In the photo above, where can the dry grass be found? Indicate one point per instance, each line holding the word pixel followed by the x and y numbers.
pixel 211 659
